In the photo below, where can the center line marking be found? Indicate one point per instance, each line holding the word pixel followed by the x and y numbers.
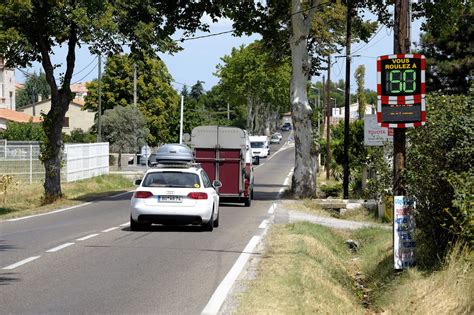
pixel 52 250
pixel 111 229
pixel 24 261
pixel 87 237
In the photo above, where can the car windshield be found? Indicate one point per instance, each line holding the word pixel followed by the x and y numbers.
pixel 172 179
pixel 257 145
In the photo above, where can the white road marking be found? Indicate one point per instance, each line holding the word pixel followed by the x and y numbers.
pixel 263 225
pixel 52 250
pixel 217 299
pixel 87 237
pixel 272 208
pixel 56 211
pixel 111 229
pixel 125 224
pixel 24 261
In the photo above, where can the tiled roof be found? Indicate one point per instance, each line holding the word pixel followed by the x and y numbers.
pixel 12 115
pixel 79 87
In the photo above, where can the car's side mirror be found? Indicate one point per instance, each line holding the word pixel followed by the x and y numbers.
pixel 216 183
pixel 138 182
pixel 255 160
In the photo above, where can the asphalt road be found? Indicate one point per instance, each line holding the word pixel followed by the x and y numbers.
pixel 86 259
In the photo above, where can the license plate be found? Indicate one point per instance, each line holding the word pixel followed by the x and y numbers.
pixel 170 198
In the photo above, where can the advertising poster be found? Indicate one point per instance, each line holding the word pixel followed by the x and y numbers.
pixel 404 244
pixel 374 135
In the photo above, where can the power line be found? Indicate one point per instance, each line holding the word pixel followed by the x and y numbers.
pixel 84 67
pixel 373 36
pixel 204 36
pixel 86 74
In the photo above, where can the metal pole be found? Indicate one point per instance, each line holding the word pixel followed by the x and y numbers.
pixel 134 84
pixel 31 164
pixel 181 121
pixel 345 181
pixel 99 110
pixel 328 109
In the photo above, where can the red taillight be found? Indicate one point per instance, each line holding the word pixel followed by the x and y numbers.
pixel 197 195
pixel 142 194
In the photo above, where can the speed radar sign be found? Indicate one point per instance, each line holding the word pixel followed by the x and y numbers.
pixel 401 90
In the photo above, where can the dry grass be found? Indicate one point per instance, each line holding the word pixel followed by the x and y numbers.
pixel 307 269
pixel 27 198
pixel 448 291
pixel 303 271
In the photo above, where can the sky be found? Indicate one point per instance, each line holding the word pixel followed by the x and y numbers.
pixel 199 58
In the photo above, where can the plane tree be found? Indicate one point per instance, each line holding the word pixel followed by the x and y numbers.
pixel 30 31
pixel 250 79
pixel 306 30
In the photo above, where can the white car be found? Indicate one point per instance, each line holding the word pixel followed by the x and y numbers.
pixel 277 134
pixel 275 139
pixel 175 195
pixel 259 146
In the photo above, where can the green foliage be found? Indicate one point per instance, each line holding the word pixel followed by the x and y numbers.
pixel 332 190
pixel 156 98
pixel 125 128
pixel 35 86
pixel 29 131
pixel 379 183
pixel 79 136
pixel 448 47
pixel 440 173
pixel 254 86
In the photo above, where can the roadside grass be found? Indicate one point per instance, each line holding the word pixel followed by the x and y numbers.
pixel 308 269
pixel 26 199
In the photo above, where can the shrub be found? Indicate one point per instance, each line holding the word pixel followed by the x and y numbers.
pixel 332 190
pixel 440 174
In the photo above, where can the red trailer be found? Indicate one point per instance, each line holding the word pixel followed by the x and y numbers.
pixel 224 153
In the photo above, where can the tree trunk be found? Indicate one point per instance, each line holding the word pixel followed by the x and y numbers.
pixel 304 175
pixel 53 121
pixel 119 163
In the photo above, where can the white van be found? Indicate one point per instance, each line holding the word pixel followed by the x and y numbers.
pixel 260 146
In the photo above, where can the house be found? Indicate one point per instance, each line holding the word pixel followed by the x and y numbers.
pixel 7 115
pixel 76 116
pixel 339 112
pixel 7 86
pixel 79 90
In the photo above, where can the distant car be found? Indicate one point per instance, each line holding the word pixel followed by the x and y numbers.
pixel 259 146
pixel 275 139
pixel 286 127
pixel 278 135
pixel 175 195
pixel 151 160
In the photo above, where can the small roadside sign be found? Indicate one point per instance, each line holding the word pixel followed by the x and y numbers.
pixel 374 135
pixel 404 243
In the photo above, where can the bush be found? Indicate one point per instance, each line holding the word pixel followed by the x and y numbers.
pixel 332 190
pixel 440 174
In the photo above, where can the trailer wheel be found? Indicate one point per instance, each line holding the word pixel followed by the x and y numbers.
pixel 248 201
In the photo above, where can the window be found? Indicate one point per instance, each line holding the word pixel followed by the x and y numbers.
pixel 66 122
pixel 206 181
pixel 257 145
pixel 172 179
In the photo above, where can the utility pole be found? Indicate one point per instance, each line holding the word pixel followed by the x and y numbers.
pixel 99 79
pixel 228 112
pixel 345 182
pixel 401 45
pixel 181 120
pixel 328 110
pixel 33 100
pixel 134 84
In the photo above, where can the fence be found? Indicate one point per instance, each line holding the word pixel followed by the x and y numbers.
pixel 80 161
